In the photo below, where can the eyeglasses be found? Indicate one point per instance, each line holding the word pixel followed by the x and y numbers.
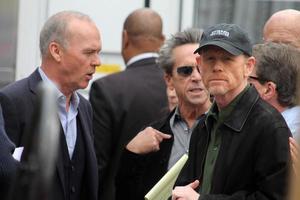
pixel 254 78
pixel 257 79
pixel 186 71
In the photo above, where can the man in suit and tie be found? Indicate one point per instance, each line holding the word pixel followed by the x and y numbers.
pixel 8 165
pixel 126 102
pixel 69 43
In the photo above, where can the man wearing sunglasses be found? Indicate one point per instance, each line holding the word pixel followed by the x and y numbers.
pixel 242 148
pixel 156 149
pixel 275 78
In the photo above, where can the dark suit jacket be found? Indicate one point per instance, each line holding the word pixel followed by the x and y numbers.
pixel 137 174
pixel 19 100
pixel 123 103
pixel 8 165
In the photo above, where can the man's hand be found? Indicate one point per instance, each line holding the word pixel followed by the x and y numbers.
pixel 148 140
pixel 186 192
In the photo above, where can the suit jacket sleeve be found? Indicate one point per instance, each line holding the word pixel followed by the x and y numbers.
pixel 8 165
pixel 10 115
pixel 102 127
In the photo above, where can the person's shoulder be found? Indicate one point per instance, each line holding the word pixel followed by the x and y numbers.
pixel 83 100
pixel 19 87
pixel 15 88
pixel 84 105
pixel 268 115
pixel 267 108
pixel 110 79
pixel 145 66
pixel 259 109
pixel 15 85
pixel 117 82
pixel 150 61
pixel 162 121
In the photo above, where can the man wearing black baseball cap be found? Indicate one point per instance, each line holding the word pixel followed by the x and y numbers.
pixel 229 37
pixel 242 149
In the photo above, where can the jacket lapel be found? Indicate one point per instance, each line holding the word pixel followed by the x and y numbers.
pixel 33 83
pixel 239 116
pixel 91 160
pixel 85 127
pixel 60 161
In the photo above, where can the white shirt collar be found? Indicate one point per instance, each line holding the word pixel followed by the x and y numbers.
pixel 141 56
pixel 74 99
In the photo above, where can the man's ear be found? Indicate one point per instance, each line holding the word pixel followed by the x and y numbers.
pixel 250 63
pixel 163 37
pixel 169 81
pixel 162 40
pixel 55 51
pixel 125 39
pixel 269 91
pixel 199 61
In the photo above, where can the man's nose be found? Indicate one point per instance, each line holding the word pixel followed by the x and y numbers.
pixel 96 61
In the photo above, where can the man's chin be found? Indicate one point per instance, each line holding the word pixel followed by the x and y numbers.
pixel 216 91
pixel 83 85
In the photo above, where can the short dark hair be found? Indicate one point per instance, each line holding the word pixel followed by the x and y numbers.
pixel 165 59
pixel 279 63
pixel 144 25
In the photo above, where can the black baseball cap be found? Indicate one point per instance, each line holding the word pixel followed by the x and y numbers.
pixel 229 37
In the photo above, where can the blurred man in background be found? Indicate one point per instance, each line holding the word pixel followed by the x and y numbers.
pixel 8 165
pixel 126 102
pixel 283 26
pixel 275 78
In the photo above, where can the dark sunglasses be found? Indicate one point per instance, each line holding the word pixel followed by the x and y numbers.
pixel 186 71
pixel 257 79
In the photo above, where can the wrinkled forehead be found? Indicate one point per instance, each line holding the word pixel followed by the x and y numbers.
pixel 214 50
pixel 184 54
pixel 188 60
pixel 293 41
pixel 282 34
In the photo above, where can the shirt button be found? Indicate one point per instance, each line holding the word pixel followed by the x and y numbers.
pixel 215 148
pixel 73 190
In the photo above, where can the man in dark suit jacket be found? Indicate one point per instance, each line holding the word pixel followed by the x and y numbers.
pixel 153 151
pixel 8 165
pixel 69 44
pixel 124 103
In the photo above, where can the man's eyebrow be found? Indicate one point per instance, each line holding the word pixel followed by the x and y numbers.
pixel 91 50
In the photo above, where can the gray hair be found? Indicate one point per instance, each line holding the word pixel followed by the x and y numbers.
pixel 55 29
pixel 279 63
pixel 165 59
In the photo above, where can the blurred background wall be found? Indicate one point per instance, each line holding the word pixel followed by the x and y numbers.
pixel 8 40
